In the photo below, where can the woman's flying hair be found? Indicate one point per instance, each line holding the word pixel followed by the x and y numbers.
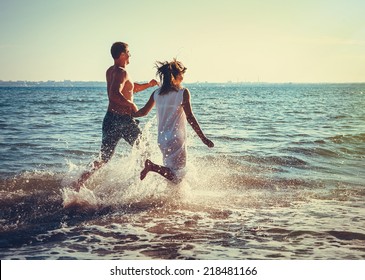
pixel 167 72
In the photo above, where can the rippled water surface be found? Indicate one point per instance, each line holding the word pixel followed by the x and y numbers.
pixel 285 179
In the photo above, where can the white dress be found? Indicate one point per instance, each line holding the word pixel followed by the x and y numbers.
pixel 171 138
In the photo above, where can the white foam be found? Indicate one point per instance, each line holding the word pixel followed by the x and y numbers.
pixel 118 182
pixel 83 198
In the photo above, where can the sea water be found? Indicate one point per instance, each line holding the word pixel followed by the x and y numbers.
pixel 285 179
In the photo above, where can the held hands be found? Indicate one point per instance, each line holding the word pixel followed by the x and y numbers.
pixel 133 114
pixel 133 108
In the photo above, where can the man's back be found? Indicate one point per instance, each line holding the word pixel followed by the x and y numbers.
pixel 120 90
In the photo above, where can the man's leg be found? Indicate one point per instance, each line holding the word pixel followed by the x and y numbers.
pixel 87 174
pixel 110 140
pixel 132 132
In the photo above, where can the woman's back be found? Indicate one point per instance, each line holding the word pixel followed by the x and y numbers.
pixel 171 127
pixel 173 112
pixel 170 114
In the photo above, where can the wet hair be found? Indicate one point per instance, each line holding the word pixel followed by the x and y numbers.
pixel 167 72
pixel 118 48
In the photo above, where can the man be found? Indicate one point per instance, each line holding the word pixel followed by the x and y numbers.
pixel 118 122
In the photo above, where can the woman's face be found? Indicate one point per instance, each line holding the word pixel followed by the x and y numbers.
pixel 179 78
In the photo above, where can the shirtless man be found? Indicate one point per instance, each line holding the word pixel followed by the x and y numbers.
pixel 118 122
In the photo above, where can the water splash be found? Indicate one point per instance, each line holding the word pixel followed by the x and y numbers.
pixel 84 198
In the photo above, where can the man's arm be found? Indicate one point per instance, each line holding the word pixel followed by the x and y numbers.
pixel 192 120
pixel 139 87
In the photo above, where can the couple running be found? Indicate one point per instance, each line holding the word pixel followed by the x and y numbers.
pixel 173 111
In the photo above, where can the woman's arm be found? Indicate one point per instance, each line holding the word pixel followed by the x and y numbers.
pixel 146 109
pixel 192 120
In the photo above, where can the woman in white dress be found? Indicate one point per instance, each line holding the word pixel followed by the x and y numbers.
pixel 173 111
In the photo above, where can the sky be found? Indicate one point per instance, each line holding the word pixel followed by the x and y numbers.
pixel 218 41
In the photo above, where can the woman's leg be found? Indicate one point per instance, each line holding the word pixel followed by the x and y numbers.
pixel 162 170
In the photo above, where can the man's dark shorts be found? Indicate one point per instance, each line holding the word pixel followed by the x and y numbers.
pixel 116 127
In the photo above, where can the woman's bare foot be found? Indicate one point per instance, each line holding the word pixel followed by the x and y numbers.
pixel 146 169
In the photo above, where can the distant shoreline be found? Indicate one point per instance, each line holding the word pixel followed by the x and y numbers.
pixel 68 83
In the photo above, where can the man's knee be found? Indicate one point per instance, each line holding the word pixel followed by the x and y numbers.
pixel 107 151
pixel 134 136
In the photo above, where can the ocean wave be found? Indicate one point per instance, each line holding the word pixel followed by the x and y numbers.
pixel 347 139
pixel 334 147
pixel 295 234
pixel 229 138
pixel 278 161
pixel 221 201
pixel 312 151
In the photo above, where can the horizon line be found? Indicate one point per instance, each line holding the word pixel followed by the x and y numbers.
pixel 196 82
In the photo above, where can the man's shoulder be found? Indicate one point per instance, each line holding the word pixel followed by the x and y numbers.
pixel 117 71
pixel 109 69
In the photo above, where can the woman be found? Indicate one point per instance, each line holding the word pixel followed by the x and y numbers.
pixel 173 110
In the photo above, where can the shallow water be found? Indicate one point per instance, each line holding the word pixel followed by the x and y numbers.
pixel 285 179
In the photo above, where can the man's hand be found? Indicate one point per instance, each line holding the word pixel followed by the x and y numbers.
pixel 153 83
pixel 133 107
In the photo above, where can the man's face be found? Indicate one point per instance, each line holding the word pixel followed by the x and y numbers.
pixel 126 55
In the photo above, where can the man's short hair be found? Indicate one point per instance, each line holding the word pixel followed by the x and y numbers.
pixel 118 48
